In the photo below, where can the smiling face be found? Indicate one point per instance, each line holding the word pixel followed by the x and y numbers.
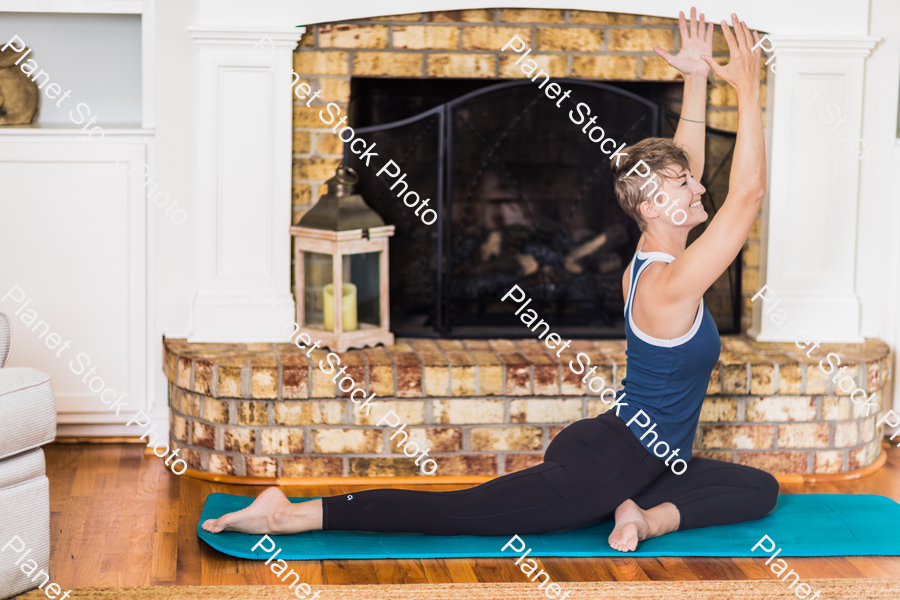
pixel 654 179
pixel 677 201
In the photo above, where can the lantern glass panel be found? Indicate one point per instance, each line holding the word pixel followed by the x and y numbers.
pixel 364 273
pixel 317 273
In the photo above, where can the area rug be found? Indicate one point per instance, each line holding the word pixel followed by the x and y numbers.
pixel 832 589
pixel 800 525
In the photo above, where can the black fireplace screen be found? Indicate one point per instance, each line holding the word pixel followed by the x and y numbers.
pixel 523 198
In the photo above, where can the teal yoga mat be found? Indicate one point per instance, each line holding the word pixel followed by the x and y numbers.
pixel 802 525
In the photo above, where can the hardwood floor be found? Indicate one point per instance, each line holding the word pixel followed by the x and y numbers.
pixel 121 519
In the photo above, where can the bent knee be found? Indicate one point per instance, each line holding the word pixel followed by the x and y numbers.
pixel 768 491
pixel 760 485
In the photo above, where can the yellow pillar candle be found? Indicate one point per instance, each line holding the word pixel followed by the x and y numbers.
pixel 348 307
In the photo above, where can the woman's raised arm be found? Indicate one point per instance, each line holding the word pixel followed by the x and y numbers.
pixel 696 41
pixel 706 259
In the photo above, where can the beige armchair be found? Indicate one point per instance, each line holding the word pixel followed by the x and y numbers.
pixel 27 422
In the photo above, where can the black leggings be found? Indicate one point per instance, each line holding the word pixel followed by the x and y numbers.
pixel 589 469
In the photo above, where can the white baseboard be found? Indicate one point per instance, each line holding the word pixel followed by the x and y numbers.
pixel 110 429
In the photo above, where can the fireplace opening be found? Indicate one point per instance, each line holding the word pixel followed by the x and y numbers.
pixel 523 198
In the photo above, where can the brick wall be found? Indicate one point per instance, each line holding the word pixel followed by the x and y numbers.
pixel 492 407
pixel 466 44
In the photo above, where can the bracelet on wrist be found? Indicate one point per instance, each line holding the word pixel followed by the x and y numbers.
pixel 691 120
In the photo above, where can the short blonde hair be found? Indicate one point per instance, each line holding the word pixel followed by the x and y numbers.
pixel 659 154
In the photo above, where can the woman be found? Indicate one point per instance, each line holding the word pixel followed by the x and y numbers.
pixel 598 468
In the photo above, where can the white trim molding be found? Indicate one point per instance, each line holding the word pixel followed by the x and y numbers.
pixel 243 182
pixel 245 37
pixel 112 7
pixel 148 64
pixel 845 45
pixel 829 17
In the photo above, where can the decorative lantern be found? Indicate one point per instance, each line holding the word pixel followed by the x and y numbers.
pixel 341 269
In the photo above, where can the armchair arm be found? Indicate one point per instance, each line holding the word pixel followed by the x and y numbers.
pixel 5 339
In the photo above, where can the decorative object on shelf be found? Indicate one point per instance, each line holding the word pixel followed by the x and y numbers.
pixel 341 243
pixel 18 94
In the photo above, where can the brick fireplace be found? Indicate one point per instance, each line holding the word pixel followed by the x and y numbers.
pixel 484 407
pixel 466 44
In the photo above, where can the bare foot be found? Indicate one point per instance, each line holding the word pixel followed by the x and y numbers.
pixel 635 525
pixel 631 527
pixel 268 514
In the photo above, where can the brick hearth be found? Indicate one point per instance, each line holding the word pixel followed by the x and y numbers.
pixel 491 407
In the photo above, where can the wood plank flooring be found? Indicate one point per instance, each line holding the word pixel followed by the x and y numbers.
pixel 118 518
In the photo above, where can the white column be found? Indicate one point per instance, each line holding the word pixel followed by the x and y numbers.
pixel 243 193
pixel 809 236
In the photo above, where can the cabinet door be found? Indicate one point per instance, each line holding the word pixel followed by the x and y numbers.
pixel 73 225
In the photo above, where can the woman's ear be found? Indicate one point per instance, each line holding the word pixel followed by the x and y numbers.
pixel 648 210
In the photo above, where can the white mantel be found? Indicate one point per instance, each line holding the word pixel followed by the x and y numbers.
pixel 809 241
pixel 243 182
pixel 830 17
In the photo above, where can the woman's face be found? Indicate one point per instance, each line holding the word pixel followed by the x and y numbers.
pixel 678 198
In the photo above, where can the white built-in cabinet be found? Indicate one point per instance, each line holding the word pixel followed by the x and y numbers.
pixel 74 213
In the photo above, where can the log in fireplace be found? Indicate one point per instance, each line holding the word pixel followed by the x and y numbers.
pixel 523 197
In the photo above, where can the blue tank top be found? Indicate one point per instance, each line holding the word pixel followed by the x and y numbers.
pixel 667 379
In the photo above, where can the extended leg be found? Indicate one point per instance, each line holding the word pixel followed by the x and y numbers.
pixel 440 513
pixel 590 469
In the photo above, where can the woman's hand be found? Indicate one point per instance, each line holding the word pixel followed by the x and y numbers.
pixel 743 70
pixel 695 42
